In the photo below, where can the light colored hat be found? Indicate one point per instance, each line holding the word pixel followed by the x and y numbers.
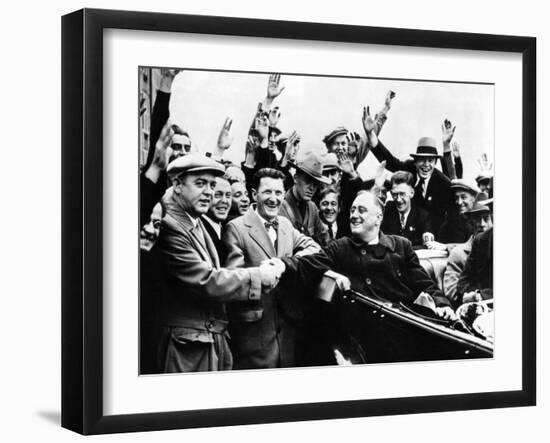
pixel 466 185
pixel 311 164
pixel 330 162
pixel 482 205
pixel 427 147
pixel 195 162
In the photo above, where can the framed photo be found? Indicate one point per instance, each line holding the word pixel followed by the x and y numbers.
pixel 196 93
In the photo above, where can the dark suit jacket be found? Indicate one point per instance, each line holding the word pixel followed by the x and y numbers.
pixel 260 339
pixel 215 239
pixel 478 271
pixel 418 222
pixel 439 197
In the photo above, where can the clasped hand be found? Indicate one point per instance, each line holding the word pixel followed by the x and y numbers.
pixel 271 271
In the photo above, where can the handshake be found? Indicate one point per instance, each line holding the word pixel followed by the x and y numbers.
pixel 271 271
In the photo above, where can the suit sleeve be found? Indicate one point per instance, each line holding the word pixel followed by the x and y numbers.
pixel 420 280
pixel 159 117
pixel 184 263
pixel 303 245
pixel 392 163
pixel 450 278
pixel 234 247
pixel 468 281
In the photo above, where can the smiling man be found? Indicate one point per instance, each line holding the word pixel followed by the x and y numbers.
pixel 193 312
pixel 260 337
pixel 402 216
pixel 378 265
pixel 217 213
pixel 432 189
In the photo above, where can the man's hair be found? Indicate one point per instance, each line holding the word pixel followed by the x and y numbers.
pixel 266 172
pixel 377 201
pixel 400 177
pixel 329 190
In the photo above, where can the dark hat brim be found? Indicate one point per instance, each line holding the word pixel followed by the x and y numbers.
pixel 425 156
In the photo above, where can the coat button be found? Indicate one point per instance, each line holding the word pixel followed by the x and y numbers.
pixel 363 252
pixel 398 273
pixel 368 281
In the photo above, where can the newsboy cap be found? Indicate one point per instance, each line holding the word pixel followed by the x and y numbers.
pixel 466 185
pixel 426 148
pixel 195 162
pixel 482 205
pixel 340 130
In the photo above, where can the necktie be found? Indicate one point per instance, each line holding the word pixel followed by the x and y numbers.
pixel 272 224
pixel 331 232
pixel 272 232
pixel 402 219
pixel 420 187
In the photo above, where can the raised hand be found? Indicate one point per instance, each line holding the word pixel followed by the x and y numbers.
pixel 167 78
pixel 484 164
pixel 369 124
pixel 273 88
pixel 162 154
pixel 455 148
pixel 274 116
pixel 225 139
pixel 380 175
pixel 345 163
pixel 261 124
pixel 291 150
pixel 389 97
pixel 447 131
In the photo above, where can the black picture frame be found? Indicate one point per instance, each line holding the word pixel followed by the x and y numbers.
pixel 82 219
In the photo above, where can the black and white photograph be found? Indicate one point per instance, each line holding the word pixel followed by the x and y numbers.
pixel 307 220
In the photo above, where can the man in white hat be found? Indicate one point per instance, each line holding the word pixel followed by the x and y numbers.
pixel 193 310
pixel 432 190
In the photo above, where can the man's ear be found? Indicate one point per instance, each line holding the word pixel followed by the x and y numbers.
pixel 254 194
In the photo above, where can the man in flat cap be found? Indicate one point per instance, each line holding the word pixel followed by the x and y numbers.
pixel 193 310
pixel 432 190
pixel 457 227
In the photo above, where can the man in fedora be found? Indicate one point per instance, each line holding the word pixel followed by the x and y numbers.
pixel 260 336
pixel 481 220
pixel 193 312
pixel 298 206
pixel 432 190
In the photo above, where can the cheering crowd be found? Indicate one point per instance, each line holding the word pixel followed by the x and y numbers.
pixel 231 255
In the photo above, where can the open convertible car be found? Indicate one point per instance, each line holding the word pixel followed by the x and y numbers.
pixel 379 331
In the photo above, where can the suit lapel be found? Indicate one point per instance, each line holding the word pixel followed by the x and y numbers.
pixel 211 248
pixel 258 233
pixel 282 240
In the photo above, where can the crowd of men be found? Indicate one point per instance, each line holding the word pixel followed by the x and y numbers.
pixel 231 255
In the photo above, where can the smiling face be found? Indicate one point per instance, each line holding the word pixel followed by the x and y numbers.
pixel 221 200
pixel 269 197
pixel 339 144
pixel 240 200
pixel 402 194
pixel 305 186
pixel 150 232
pixel 365 217
pixel 425 166
pixel 194 192
pixel 329 207
pixel 464 200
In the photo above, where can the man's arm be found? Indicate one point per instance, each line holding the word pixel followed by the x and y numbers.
pixel 303 245
pixel 184 263
pixel 233 243
pixel 468 281
pixel 451 276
